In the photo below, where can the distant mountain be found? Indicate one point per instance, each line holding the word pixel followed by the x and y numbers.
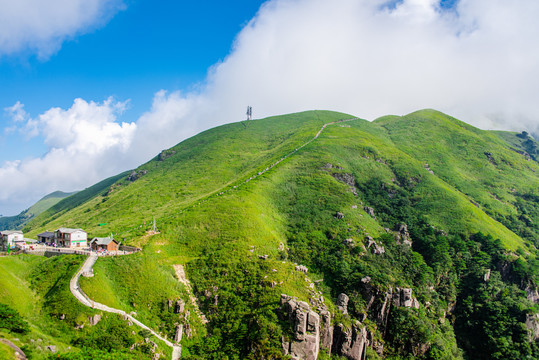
pixel 407 237
pixel 19 221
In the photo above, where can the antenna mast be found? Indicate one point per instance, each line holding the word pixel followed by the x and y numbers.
pixel 249 113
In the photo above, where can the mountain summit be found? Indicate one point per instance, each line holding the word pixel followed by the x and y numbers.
pixel 319 235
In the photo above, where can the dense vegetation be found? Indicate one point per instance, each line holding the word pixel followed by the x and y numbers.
pixel 466 199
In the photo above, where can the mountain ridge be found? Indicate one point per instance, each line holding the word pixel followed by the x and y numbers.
pixel 421 202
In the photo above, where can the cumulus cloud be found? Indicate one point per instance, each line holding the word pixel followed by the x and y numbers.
pixel 85 145
pixel 476 61
pixel 41 26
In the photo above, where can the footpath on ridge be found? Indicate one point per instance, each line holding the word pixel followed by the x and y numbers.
pixel 261 172
pixel 92 258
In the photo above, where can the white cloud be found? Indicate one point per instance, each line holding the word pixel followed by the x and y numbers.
pixel 41 26
pixel 17 112
pixel 86 144
pixel 477 62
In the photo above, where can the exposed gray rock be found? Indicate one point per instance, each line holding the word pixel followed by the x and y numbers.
pixel 165 154
pixel 403 297
pixel 348 242
pixel 342 303
pixel 339 215
pixel 348 179
pixel 426 166
pixel 263 257
pixel 326 332
pixel 532 295
pixel 376 249
pixel 180 306
pixel 305 342
pixel 402 235
pixel 350 343
pixel 369 211
pixel 51 348
pixel 532 324
pixel 179 333
pixel 486 277
pixel 95 319
pixel 302 268
pixel 136 174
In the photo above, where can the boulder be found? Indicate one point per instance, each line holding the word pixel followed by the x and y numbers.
pixel 403 297
pixel 369 211
pixel 342 303
pixel 532 295
pixel 350 343
pixel 339 215
pixel 179 307
pixel 95 319
pixel 532 324
pixel 402 235
pixel 179 333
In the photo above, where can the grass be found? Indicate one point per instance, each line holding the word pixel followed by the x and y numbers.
pixel 219 237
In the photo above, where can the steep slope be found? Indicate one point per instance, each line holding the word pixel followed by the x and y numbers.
pixel 19 221
pixel 347 204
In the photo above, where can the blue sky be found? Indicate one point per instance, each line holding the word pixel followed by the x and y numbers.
pixel 148 46
pixel 91 88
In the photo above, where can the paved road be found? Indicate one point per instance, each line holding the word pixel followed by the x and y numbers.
pixel 84 299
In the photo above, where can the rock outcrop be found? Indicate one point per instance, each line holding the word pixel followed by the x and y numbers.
pixel 403 297
pixel 532 295
pixel 326 331
pixel 178 334
pixel 402 235
pixel 313 332
pixel 342 303
pixel 348 179
pixel 376 249
pixel 305 341
pixel 351 343
pixel 369 211
pixel 136 174
pixel 95 319
pixel 532 324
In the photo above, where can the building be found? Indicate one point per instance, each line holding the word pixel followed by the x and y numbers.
pixel 71 238
pixel 46 237
pixel 8 238
pixel 107 243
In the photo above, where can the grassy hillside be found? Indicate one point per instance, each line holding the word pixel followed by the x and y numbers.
pixel 469 201
pixel 19 221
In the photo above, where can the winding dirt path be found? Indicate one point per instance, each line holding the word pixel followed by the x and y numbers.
pixel 180 273
pixel 85 300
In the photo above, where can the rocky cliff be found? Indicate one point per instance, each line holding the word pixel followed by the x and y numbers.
pixel 313 331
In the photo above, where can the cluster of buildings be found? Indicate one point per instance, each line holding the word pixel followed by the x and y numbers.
pixel 62 237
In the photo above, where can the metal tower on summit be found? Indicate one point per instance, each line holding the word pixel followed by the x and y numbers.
pixel 249 113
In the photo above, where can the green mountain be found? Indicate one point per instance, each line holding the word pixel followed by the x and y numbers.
pixel 19 221
pixel 405 237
